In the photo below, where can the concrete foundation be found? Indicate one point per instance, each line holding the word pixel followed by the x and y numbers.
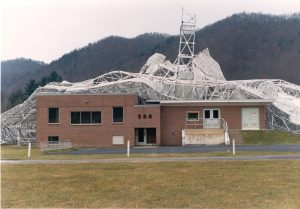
pixel 203 136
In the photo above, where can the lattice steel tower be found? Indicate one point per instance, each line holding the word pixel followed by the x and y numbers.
pixel 185 55
pixel 187 39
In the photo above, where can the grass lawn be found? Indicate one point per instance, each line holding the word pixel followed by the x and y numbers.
pixel 238 184
pixel 270 137
pixel 12 152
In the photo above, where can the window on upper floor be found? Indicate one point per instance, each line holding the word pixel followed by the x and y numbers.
pixel 118 114
pixel 96 117
pixel 86 117
pixel 75 117
pixel 53 115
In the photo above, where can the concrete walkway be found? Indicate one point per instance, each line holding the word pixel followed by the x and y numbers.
pixel 142 160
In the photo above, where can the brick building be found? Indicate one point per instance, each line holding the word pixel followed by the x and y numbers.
pixel 188 101
pixel 101 120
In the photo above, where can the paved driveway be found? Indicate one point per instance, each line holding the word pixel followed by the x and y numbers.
pixel 185 149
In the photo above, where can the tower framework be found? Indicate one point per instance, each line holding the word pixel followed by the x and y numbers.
pixel 186 49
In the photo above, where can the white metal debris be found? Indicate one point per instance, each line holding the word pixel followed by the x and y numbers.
pixel 18 124
pixel 190 77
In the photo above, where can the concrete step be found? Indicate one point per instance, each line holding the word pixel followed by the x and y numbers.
pixel 204 136
pixel 206 131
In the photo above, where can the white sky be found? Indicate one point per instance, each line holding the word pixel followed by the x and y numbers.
pixel 44 30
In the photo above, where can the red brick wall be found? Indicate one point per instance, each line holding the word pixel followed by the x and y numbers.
pixel 94 135
pixel 262 117
pixel 169 121
pixel 154 122
pixel 173 120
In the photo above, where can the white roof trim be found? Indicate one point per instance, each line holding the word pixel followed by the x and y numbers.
pixel 214 102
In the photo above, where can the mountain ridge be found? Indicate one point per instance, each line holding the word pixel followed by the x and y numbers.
pixel 247 46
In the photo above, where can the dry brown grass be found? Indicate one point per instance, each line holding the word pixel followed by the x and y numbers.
pixel 254 184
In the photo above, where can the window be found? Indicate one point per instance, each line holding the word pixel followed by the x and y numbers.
pixel 75 117
pixel 53 139
pixel 212 118
pixel 192 116
pixel 215 113
pixel 117 114
pixel 211 113
pixel 206 113
pixel 86 117
pixel 96 117
pixel 53 115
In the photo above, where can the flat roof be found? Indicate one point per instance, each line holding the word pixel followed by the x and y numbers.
pixel 167 102
pixel 82 94
pixel 215 102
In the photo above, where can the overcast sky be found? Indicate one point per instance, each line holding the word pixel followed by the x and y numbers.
pixel 44 30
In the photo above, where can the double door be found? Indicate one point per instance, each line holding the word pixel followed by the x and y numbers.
pixel 212 118
pixel 145 136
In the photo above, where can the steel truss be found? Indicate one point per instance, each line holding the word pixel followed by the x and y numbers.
pixel 190 77
pixel 18 124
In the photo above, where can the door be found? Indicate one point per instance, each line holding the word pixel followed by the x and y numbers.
pixel 151 136
pixel 250 118
pixel 141 136
pixel 211 118
pixel 145 136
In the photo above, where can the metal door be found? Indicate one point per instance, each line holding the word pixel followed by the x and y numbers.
pixel 141 136
pixel 250 118
pixel 211 118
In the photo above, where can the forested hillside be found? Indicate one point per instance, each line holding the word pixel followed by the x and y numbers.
pixel 247 46
pixel 14 74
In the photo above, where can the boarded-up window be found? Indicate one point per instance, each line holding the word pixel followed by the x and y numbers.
pixel 118 140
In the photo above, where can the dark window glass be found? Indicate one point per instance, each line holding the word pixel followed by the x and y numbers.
pixel 141 137
pixel 207 114
pixel 117 114
pixel 75 117
pixel 85 117
pixel 192 116
pixel 96 117
pixel 53 139
pixel 215 113
pixel 53 115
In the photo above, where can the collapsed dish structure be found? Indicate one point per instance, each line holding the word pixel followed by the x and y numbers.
pixel 190 77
